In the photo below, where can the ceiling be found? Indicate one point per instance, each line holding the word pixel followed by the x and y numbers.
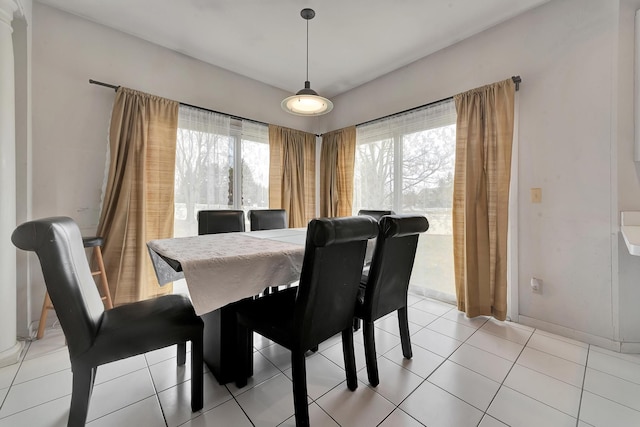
pixel 350 42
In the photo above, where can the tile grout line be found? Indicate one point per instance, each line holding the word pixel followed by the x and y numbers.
pixel 542 373
pixel 605 397
pixel 617 377
pixel 560 357
pixel 447 359
pixel 155 389
pixel 316 354
pixel 584 377
pixel 32 407
pixel 234 397
pixel 14 378
pixel 395 406
pixel 505 377
pixel 539 401
pixel 13 385
pixel 156 393
pixel 435 369
pixel 239 405
pixel 614 354
pixel 148 367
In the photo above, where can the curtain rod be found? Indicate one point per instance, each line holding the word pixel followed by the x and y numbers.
pixel 516 79
pixel 114 87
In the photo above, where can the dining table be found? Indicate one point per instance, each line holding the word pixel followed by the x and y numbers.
pixel 223 269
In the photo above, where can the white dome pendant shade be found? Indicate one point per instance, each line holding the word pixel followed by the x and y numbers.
pixel 307 102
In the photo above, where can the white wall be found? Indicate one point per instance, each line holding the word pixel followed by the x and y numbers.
pixel 565 53
pixel 22 36
pixel 628 178
pixel 575 136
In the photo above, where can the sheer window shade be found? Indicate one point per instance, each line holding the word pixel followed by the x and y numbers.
pixel 405 163
pixel 404 154
pixel 431 116
pixel 211 149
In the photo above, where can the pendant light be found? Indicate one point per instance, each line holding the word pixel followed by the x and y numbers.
pixel 307 102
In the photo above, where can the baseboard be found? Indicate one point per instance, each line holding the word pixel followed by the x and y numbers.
pixel 630 347
pixel 431 293
pixel 580 336
pixel 609 344
pixel 12 355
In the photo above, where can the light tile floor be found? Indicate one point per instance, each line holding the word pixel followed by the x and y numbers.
pixel 464 372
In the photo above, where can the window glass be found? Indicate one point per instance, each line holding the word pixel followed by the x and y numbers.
pixel 255 169
pixel 373 175
pixel 405 163
pixel 210 148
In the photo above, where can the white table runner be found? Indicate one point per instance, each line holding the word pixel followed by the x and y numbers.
pixel 223 268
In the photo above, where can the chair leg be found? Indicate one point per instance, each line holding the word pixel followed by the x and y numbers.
pixel 356 323
pixel 43 315
pixel 404 333
pixel 349 359
pixel 182 353
pixel 370 353
pixel 80 395
pixel 196 374
pixel 299 373
pixel 103 278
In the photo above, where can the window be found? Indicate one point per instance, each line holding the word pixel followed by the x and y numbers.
pixel 405 163
pixel 210 148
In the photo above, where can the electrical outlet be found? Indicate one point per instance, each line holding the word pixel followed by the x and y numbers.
pixel 536 285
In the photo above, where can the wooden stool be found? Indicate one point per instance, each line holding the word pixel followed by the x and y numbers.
pixel 89 242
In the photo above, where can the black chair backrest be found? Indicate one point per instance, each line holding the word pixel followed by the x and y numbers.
pixel 58 243
pixel 330 277
pixel 220 221
pixel 392 263
pixel 375 214
pixel 268 219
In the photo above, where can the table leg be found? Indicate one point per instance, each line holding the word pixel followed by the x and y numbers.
pixel 220 337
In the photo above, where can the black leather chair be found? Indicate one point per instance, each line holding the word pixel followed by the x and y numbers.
pixel 220 221
pixel 375 214
pixel 268 219
pixel 320 307
pixel 385 288
pixel 95 336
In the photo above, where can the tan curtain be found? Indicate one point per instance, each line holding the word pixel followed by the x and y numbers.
pixel 336 172
pixel 292 174
pixel 138 201
pixel 484 137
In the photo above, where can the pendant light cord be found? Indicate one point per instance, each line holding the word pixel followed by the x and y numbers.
pixel 307 50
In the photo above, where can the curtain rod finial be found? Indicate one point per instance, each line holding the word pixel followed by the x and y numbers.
pixel 95 82
pixel 517 80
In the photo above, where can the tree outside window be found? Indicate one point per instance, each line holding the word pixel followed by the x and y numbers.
pixel 406 164
pixel 210 149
